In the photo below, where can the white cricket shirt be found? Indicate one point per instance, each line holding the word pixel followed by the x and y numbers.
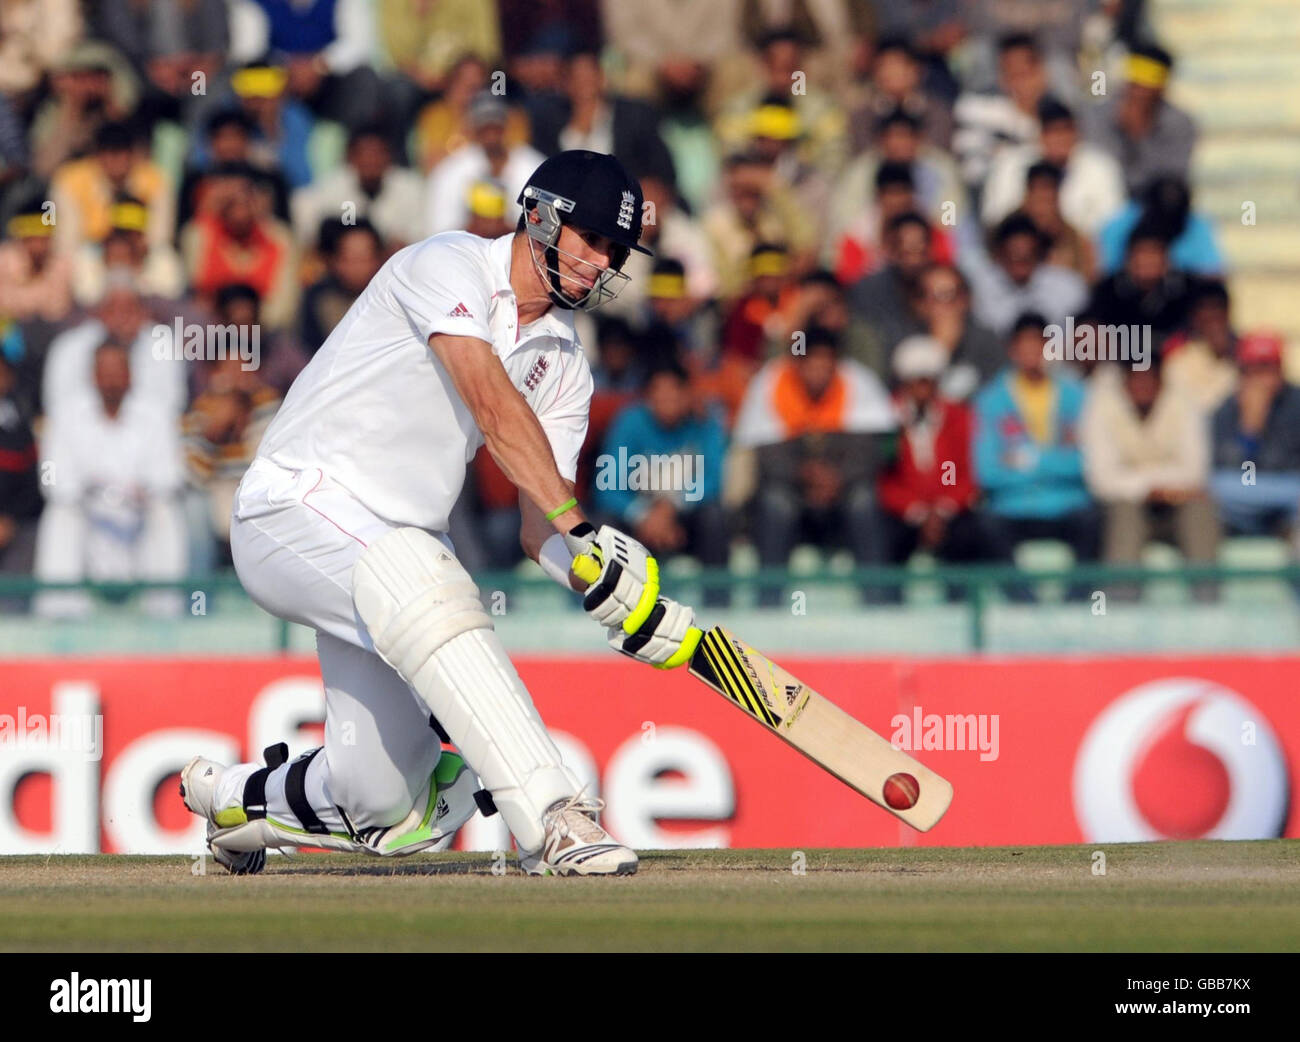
pixel 377 412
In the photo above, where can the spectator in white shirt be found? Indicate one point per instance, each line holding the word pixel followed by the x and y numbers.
pixel 487 155
pixel 368 185
pixel 1019 279
pixel 987 123
pixel 1093 188
pixel 120 318
pixel 112 463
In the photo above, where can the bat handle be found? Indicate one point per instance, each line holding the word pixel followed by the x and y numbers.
pixel 683 654
pixel 586 568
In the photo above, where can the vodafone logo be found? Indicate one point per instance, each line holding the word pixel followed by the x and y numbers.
pixel 1180 758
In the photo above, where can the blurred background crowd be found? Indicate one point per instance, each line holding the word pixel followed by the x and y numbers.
pixel 867 217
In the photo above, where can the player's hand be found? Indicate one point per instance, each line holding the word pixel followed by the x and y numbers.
pixel 666 639
pixel 622 578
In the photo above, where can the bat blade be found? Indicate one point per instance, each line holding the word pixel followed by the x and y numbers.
pixel 816 726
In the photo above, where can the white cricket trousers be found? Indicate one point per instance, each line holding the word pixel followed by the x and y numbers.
pixel 295 537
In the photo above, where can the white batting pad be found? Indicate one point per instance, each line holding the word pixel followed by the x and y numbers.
pixel 424 614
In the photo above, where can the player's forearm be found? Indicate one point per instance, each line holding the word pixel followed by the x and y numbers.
pixel 520 447
pixel 510 429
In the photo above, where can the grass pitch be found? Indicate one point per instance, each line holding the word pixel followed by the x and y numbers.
pixel 1202 896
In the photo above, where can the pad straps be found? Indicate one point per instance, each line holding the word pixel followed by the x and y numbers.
pixel 295 788
pixel 255 787
pixel 295 792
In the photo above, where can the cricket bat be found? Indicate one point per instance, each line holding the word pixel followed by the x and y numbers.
pixel 821 730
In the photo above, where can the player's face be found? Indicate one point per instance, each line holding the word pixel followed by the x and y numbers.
pixel 583 257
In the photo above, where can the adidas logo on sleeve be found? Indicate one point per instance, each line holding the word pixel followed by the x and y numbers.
pixel 459 311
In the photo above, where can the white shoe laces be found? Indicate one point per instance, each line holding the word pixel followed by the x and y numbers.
pixel 577 816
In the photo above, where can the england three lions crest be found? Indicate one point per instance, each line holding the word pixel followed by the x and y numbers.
pixel 626 211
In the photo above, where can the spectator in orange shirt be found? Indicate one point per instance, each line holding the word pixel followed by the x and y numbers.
pixel 812 421
pixel 234 239
pixel 229 137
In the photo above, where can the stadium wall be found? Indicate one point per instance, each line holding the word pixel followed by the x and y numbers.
pixel 1040 750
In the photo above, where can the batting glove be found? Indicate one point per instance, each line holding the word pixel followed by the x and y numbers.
pixel 667 639
pixel 622 578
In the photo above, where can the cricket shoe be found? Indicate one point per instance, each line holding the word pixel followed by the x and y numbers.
pixel 575 845
pixel 198 790
pixel 239 838
pixel 459 796
pixel 432 826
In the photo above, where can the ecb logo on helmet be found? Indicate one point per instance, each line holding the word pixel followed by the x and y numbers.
pixel 626 211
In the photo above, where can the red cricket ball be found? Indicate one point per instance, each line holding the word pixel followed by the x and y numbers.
pixel 901 791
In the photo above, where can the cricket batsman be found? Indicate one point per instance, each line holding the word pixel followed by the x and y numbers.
pixel 340 524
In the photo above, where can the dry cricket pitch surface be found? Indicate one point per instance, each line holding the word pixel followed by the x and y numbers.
pixel 1202 896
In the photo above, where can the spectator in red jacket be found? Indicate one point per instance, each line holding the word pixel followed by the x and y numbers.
pixel 927 494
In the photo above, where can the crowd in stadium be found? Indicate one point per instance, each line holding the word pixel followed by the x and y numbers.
pixel 869 220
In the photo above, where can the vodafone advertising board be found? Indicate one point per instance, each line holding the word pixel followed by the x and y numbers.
pixel 1039 751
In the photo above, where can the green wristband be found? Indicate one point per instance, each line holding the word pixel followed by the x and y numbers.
pixel 561 509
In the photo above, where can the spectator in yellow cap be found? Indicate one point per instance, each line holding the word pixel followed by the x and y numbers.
pixel 154 268
pixel 676 327
pixel 487 209
pixel 822 125
pixel 282 125
pixel 761 313
pixel 776 135
pixel 35 281
pixel 1140 128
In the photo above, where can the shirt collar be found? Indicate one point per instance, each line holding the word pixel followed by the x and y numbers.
pixel 557 322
